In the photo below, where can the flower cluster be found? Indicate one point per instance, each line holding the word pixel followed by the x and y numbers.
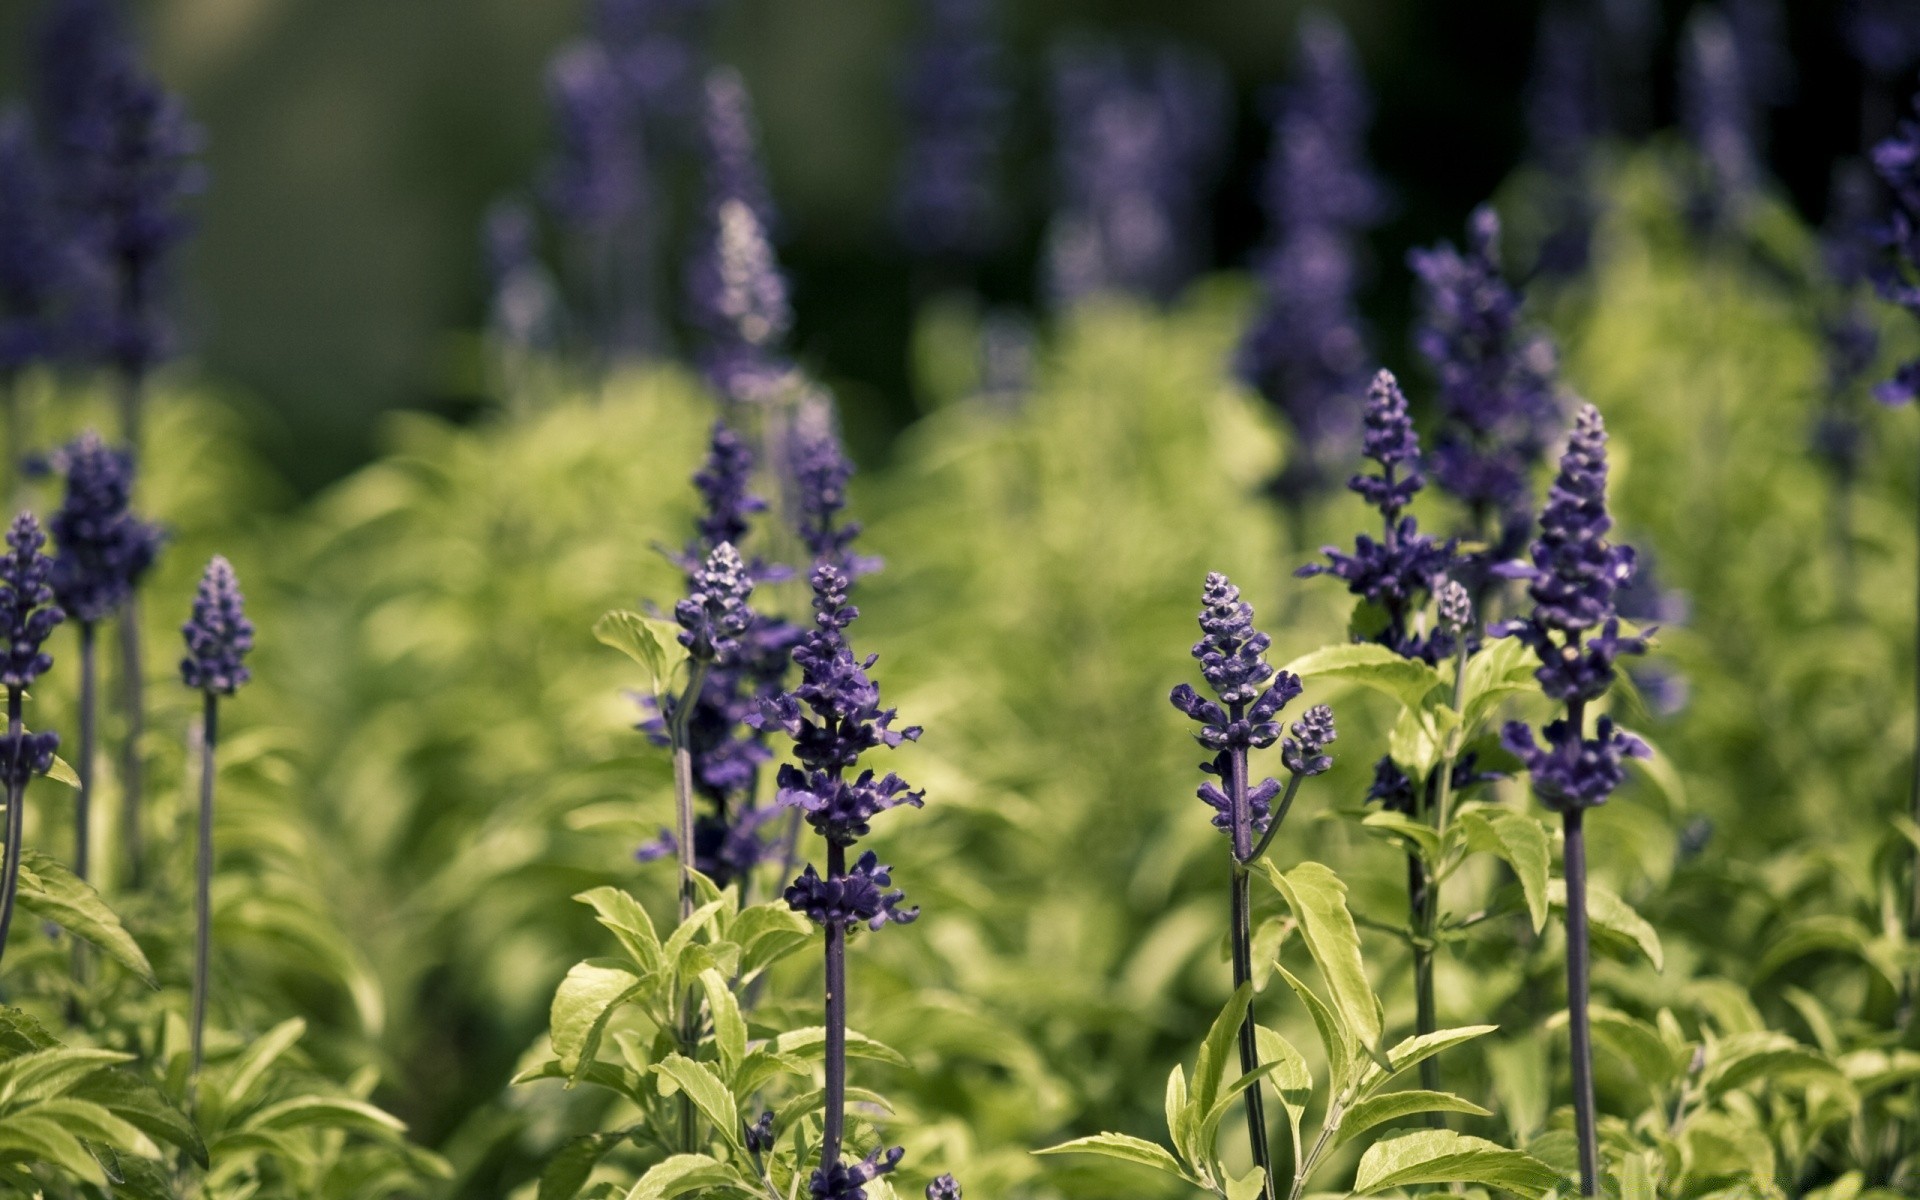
pixel 736 295
pixel 1232 657
pixel 594 179
pixel 714 614
pixel 1717 112
pixel 1397 573
pixel 844 1182
pixel 35 261
pixel 1564 118
pixel 1498 407
pixel 834 716
pixel 1897 161
pixel 27 610
pixel 103 549
pixel 1393 791
pixel 817 469
pixel 1136 145
pixel 1574 628
pixel 1305 351
pixel 218 634
pixel 859 897
pixel 523 306
pixel 947 207
pixel 943 1187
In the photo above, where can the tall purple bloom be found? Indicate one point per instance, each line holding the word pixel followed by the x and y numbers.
pixel 27 616
pixel 1498 406
pixel 948 205
pixel 593 180
pixel 1396 574
pixel 35 261
pixel 1717 111
pixel 1305 351
pixel 103 549
pixel 817 470
pixel 736 294
pixel 218 634
pixel 1136 145
pixel 655 45
pixel 1897 160
pixel 523 308
pixel 1565 116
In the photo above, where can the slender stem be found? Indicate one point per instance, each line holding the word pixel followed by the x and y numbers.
pixel 1420 899
pixel 1913 808
pixel 203 878
pixel 133 709
pixel 834 1122
pixel 83 795
pixel 16 823
pixel 1279 815
pixel 683 845
pixel 1578 985
pixel 16 419
pixel 1241 814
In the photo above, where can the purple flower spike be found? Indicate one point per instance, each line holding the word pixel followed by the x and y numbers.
pixel 715 614
pixel 1897 161
pixel 1572 771
pixel 860 897
pixel 947 207
pixel 1305 752
pixel 36 262
pixel 943 1188
pixel 843 1182
pixel 1718 112
pixel 1398 572
pixel 27 610
pixel 103 549
pixel 218 634
pixel 593 183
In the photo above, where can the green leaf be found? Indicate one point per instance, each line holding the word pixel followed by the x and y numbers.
pixel 729 1028
pixel 327 1112
pixel 1290 1077
pixel 629 922
pixel 683 1173
pixel 572 1165
pixel 708 1092
pixel 140 1102
pixel 1503 667
pixel 1443 1156
pixel 49 891
pixel 62 772
pixel 1126 1149
pixel 1740 1060
pixel 45 1140
pixel 52 1072
pixel 1614 918
pixel 1370 665
pixel 1391 1106
pixel 812 1040
pixel 1334 1037
pixel 260 1054
pixel 1636 1041
pixel 1211 1067
pixel 1521 842
pixel 768 933
pixel 790 1112
pixel 650 641
pixel 1319 901
pixel 1417 1049
pixel 1404 832
pixel 585 1000
pixel 1248 1186
pixel 1182 1123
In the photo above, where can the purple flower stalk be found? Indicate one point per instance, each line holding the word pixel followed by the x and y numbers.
pixel 1396 574
pixel 947 206
pixel 27 616
pixel 1250 695
pixel 943 1188
pixel 1498 405
pixel 1574 631
pixel 523 307
pixel 1305 351
pixel 1897 161
pixel 1717 111
pixel 1564 118
pixel 35 261
pixel 1136 143
pixel 736 295
pixel 218 637
pixel 834 717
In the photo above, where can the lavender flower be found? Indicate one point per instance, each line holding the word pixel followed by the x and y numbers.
pixel 1574 628
pixel 817 469
pixel 35 263
pixel 858 897
pixel 943 1188
pixel 655 45
pixel 1572 771
pixel 725 484
pixel 1897 160
pixel 1305 351
pixel 27 609
pixel 1305 752
pixel 1717 112
pixel 736 295
pixel 593 182
pixel 1564 118
pixel 1136 143
pixel 103 548
pixel 843 1182
pixel 715 612
pixel 1397 573
pixel 947 207
pixel 523 305
pixel 218 634
pixel 760 1135
pixel 1498 407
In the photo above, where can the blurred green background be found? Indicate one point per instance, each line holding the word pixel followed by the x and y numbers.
pixel 354 145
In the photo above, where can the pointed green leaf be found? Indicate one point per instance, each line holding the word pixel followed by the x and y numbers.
pixel 1291 1079
pixel 1443 1156
pixel 1211 1067
pixel 582 1005
pixel 1181 1124
pixel 1248 1186
pixel 729 1028
pixel 62 772
pixel 260 1054
pixel 1614 918
pixel 629 922
pixel 650 641
pixel 1520 842
pixel 1319 901
pixel 1125 1148
pixel 572 1165
pixel 327 1112
pixel 708 1093
pixel 811 1043
pixel 683 1173
pixel 1404 832
pixel 49 891
pixel 1391 1106
pixel 1334 1037
pixel 1371 665
pixel 1417 1049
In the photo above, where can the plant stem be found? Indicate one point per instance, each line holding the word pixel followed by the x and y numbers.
pixel 1279 815
pixel 1913 808
pixel 83 795
pixel 1578 985
pixel 1242 937
pixel 683 844
pixel 133 708
pixel 834 1122
pixel 16 824
pixel 203 879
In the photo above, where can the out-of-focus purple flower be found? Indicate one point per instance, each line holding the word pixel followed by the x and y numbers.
pixel 1717 111
pixel 1305 351
pixel 1136 145
pixel 655 44
pixel 817 470
pixel 218 634
pixel 594 179
pixel 726 845
pixel 1305 752
pixel 1397 573
pixel 834 716
pixel 948 203
pixel 1883 36
pixel 102 549
pixel 1574 628
pixel 1565 116
pixel 860 897
pixel 760 1135
pixel 1897 160
pixel 27 610
pixel 714 613
pixel 1499 408
pixel 1393 791
pixel 736 295
pixel 523 304
pixel 36 263
pixel 843 1182
pixel 1232 657
pixel 1572 771
pixel 943 1188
